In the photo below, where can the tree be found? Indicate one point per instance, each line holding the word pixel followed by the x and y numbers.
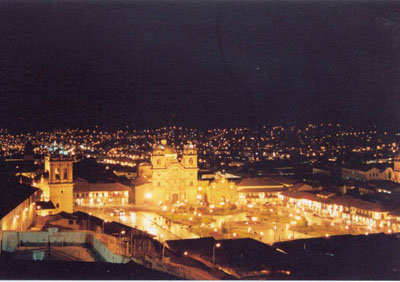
pixel 302 222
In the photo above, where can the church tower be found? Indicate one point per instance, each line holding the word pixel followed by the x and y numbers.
pixel 189 156
pixel 158 159
pixel 59 165
pixel 189 163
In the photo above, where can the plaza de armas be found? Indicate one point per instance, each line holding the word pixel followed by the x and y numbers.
pixel 285 202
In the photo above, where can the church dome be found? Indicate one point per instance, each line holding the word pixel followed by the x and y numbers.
pixel 57 150
pixel 169 150
pixel 163 149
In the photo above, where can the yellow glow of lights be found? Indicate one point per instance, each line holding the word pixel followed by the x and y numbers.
pixel 148 195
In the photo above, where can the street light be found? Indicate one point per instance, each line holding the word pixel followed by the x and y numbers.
pixel 122 233
pixel 104 221
pixel 215 246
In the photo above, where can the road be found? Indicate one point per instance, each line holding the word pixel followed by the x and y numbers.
pixel 145 221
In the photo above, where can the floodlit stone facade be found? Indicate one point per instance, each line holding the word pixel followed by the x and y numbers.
pixel 168 180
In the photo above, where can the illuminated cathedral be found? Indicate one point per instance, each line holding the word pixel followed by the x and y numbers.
pixel 167 179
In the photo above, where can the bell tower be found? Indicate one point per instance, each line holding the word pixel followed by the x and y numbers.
pixel 189 156
pixel 59 165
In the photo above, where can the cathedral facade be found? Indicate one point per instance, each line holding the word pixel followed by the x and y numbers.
pixel 168 180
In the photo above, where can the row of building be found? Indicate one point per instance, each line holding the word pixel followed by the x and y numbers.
pixel 366 172
pixel 343 209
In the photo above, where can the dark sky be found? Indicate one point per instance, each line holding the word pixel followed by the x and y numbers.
pixel 198 63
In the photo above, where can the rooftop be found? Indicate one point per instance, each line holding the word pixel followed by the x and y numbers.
pixel 365 167
pixel 13 194
pixel 349 257
pixel 259 182
pixel 89 187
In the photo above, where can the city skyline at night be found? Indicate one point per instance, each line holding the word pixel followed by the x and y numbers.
pixel 200 140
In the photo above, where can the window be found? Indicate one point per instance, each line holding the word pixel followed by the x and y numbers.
pixel 65 173
pixel 158 162
pixel 62 191
pixel 191 161
pixel 158 184
pixel 191 183
pixel 58 205
pixel 57 173
pixel 70 222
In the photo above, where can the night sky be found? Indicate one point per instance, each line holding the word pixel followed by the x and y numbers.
pixel 199 64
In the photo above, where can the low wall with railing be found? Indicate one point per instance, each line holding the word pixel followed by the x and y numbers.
pixel 108 247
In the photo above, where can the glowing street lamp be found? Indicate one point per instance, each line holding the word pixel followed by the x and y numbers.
pixel 217 245
pixel 104 221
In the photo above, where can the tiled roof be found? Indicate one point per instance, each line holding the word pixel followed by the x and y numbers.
pixel 389 185
pixel 259 190
pixel 367 167
pixel 140 181
pixel 45 205
pixel 89 187
pixel 284 180
pixel 13 194
pixel 258 182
